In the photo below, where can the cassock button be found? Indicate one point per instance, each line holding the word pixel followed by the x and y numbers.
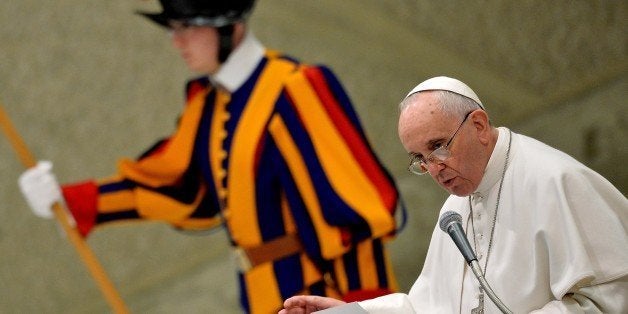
pixel 478 196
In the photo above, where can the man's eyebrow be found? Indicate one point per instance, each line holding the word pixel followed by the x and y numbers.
pixel 431 143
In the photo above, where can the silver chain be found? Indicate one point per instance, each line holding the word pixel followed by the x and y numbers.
pixel 499 193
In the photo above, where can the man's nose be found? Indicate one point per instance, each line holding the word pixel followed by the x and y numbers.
pixel 435 167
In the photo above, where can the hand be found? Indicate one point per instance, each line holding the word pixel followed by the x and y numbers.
pixel 305 304
pixel 40 188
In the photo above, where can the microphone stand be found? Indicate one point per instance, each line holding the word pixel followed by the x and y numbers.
pixel 451 223
pixel 477 271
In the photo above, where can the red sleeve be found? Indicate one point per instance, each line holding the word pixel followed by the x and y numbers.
pixel 82 199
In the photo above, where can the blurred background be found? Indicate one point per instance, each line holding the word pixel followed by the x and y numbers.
pixel 87 82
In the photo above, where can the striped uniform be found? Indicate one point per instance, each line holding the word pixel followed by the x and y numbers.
pixel 284 155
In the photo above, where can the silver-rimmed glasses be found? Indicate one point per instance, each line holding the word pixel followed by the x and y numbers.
pixel 419 165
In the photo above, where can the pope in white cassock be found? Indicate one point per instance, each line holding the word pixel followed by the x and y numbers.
pixel 548 232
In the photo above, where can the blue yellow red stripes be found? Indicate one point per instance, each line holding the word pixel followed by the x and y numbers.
pixel 338 106
pixel 295 160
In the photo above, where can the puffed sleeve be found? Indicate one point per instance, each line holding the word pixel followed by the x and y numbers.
pixel 345 191
pixel 159 185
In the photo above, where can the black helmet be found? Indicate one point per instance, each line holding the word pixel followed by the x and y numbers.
pixel 202 13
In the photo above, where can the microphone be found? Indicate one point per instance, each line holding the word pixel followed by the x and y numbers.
pixel 451 223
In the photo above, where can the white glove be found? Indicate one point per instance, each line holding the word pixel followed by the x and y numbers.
pixel 40 188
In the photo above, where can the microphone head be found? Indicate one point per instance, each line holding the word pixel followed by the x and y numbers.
pixel 447 218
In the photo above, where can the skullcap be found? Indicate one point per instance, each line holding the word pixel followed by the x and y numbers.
pixel 446 84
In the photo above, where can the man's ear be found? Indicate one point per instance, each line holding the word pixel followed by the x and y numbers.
pixel 480 121
pixel 239 29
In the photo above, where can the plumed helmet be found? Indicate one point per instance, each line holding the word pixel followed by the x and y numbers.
pixel 215 13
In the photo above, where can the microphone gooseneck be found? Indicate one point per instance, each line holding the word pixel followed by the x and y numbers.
pixel 451 223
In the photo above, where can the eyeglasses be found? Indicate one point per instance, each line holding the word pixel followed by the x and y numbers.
pixel 419 165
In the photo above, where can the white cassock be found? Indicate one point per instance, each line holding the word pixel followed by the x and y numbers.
pixel 560 243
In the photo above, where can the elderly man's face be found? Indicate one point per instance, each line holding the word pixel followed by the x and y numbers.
pixel 423 127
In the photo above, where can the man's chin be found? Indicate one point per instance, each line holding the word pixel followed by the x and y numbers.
pixel 457 190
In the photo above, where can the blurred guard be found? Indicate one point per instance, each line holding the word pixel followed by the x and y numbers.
pixel 267 146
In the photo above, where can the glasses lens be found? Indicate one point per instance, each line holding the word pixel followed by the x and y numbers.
pixel 438 155
pixel 417 167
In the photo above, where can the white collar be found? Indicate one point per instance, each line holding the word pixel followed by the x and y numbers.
pixel 240 64
pixel 495 166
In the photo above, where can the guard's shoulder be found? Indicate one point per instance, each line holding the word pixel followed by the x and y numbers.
pixel 195 85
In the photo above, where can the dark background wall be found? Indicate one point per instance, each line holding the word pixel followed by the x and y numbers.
pixel 87 82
